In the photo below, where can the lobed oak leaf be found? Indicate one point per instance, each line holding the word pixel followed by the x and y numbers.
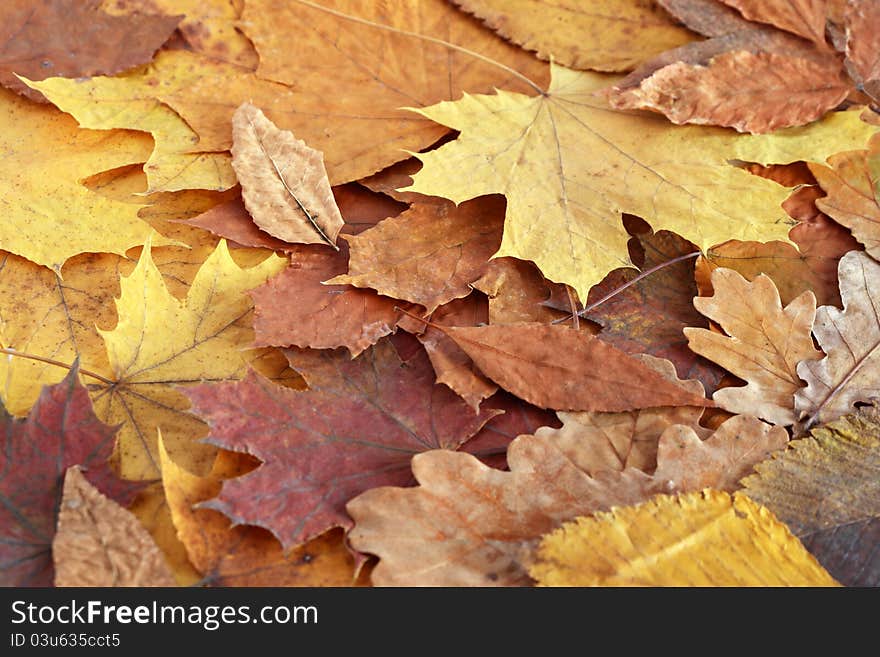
pixel 699 539
pixel 468 524
pixel 850 338
pixel 208 26
pixel 60 431
pixel 764 344
pixel 584 34
pixel 554 366
pixel 676 178
pixel 159 342
pixel 428 255
pixel 356 427
pixel 73 39
pixel 99 543
pixel 826 490
pixel 850 184
pixel 241 555
pixel 283 182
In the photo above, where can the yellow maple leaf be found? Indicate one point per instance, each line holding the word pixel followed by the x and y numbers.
pixel 48 216
pixel 131 101
pixel 697 539
pixel 161 341
pixel 570 166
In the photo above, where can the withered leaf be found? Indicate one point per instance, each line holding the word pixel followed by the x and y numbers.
pixel 862 18
pixel 356 427
pixel 99 543
pixel 763 346
pixel 283 182
pixel 825 488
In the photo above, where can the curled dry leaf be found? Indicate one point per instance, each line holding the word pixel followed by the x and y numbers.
pixel 851 340
pixel 583 33
pixel 554 366
pixel 73 39
pixel 283 182
pixel 763 346
pixel 699 539
pixel 826 489
pixel 99 543
pixel 470 525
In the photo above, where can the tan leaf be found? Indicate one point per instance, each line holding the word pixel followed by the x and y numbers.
pixel 468 524
pixel 553 366
pixel 805 18
pixel 826 489
pixel 851 338
pixel 750 92
pixel 99 543
pixel 594 34
pixel 764 343
pixel 283 182
pixel 699 539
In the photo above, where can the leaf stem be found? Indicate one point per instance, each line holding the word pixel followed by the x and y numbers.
pixel 416 35
pixel 623 287
pixel 58 363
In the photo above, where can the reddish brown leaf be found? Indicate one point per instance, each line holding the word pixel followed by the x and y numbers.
pixel 554 366
pixel 430 254
pixel 452 366
pixel 805 18
pixel 708 17
pixel 862 19
pixel 517 292
pixel 356 427
pixel 73 38
pixel 60 431
pixel 754 93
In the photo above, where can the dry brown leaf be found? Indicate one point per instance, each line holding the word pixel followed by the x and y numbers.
pixel 699 539
pixel 428 255
pixel 708 17
pixel 589 34
pixel 517 292
pixel 283 182
pixel 862 18
pixel 806 18
pixel 554 366
pixel 470 525
pixel 754 93
pixel 99 543
pixel 851 340
pixel 763 346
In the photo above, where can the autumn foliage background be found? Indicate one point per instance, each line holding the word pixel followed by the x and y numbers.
pixel 471 293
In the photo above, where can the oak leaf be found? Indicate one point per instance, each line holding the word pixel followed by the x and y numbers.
pixel 283 182
pixel 468 524
pixel 763 346
pixel 825 489
pixel 850 338
pixel 73 39
pixel 99 543
pixel 554 366
pixel 698 539
pixel 676 178
pixel 592 34
pixel 161 341
pixel 356 427
pixel 240 555
pixel 45 157
pixel 60 431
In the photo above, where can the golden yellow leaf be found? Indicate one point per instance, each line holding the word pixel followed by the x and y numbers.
pixel 697 539
pixel 159 342
pixel 283 182
pixel 604 35
pixel 243 555
pixel 570 166
pixel 98 543
pixel 763 346
pixel 48 215
pixel 131 101
pixel 826 489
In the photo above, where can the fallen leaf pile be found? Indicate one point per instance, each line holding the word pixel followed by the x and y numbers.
pixel 445 295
